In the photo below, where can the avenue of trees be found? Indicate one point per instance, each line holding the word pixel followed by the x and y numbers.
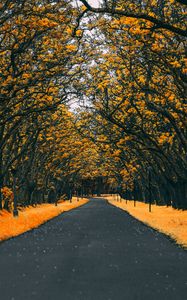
pixel 125 63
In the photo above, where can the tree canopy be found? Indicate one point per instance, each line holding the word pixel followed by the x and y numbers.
pixel 124 64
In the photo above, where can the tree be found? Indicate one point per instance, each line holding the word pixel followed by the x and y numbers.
pixel 137 82
pixel 152 11
pixel 37 66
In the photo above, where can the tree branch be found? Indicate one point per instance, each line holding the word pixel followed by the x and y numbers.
pixel 121 12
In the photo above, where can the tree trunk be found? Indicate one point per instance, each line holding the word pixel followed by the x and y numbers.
pixel 1 195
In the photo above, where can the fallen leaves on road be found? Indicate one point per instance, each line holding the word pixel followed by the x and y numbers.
pixel 167 220
pixel 32 217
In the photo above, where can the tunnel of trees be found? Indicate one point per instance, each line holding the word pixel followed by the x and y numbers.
pixel 93 100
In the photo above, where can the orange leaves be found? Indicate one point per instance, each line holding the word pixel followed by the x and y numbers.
pixel 30 217
pixel 26 77
pixel 7 193
pixel 165 138
pixel 175 64
pixel 46 23
pixel 79 33
pixel 68 30
pixel 136 81
pixel 142 79
pixel 71 47
pixel 69 152
pixel 168 220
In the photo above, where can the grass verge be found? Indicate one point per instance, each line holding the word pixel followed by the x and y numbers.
pixel 167 220
pixel 32 217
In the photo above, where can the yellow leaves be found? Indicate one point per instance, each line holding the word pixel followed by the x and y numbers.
pixel 45 22
pixel 26 76
pixel 32 217
pixel 64 155
pixel 79 32
pixel 53 89
pixel 175 64
pixel 83 8
pixel 142 79
pixel 136 30
pixel 132 110
pixel 154 2
pixel 132 6
pixel 171 97
pixel 116 153
pixel 105 82
pixel 102 73
pixel 77 143
pixel 118 72
pixel 179 105
pixel 50 98
pixel 116 23
pixel 49 138
pixel 3 52
pixel 185 62
pixel 7 193
pixel 55 116
pixel 122 142
pixel 69 30
pixel 155 47
pixel 7 81
pixel 152 14
pixel 140 96
pixel 71 47
pixel 124 173
pixel 19 20
pixel 165 138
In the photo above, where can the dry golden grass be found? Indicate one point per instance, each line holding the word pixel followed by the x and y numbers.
pixel 31 217
pixel 165 219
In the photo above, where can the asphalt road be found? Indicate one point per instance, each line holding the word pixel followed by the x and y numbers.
pixel 95 252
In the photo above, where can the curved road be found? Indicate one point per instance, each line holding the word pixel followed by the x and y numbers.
pixel 95 252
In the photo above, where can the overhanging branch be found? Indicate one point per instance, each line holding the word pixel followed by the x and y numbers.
pixel 121 12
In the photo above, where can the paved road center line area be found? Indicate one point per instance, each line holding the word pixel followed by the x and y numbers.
pixel 95 252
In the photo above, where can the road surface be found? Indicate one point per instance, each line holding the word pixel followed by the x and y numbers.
pixel 95 252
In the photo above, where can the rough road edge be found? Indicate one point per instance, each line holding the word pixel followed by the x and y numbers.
pixel 43 222
pixel 167 235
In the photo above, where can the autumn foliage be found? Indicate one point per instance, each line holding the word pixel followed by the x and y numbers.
pixel 124 67
pixel 30 218
pixel 167 220
pixel 137 91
